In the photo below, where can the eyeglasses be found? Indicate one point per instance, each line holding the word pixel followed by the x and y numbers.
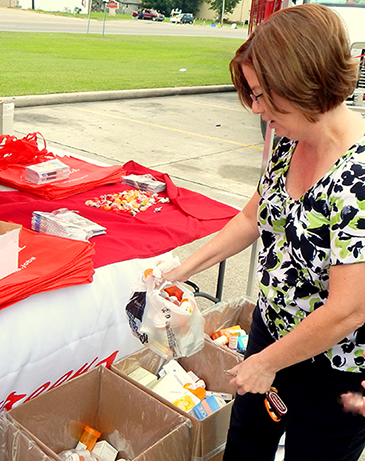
pixel 256 98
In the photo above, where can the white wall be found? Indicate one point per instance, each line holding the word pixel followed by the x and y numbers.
pixel 240 14
pixel 55 5
pixel 9 3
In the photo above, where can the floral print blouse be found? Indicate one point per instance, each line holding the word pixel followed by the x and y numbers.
pixel 302 238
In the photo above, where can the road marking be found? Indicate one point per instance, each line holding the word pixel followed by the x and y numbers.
pixel 216 106
pixel 104 114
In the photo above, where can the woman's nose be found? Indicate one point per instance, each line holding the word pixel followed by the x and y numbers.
pixel 256 107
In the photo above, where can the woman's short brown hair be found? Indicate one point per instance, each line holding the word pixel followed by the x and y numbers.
pixel 302 54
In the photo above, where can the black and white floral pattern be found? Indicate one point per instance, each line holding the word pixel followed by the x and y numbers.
pixel 302 238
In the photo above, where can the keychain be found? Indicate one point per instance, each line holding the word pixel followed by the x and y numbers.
pixel 274 405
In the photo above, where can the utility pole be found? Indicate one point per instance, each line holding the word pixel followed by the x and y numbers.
pixel 89 15
pixel 33 6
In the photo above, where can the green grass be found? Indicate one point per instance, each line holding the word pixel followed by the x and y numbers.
pixel 44 63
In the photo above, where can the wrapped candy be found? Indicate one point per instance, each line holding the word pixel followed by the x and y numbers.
pixel 129 201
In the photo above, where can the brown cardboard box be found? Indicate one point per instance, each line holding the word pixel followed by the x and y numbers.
pixel 136 424
pixel 15 445
pixel 209 434
pixel 228 314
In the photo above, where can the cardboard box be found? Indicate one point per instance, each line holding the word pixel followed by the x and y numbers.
pixel 228 314
pixel 209 434
pixel 9 248
pixel 15 445
pixel 133 422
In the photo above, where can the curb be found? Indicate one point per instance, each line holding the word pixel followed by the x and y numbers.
pixel 92 96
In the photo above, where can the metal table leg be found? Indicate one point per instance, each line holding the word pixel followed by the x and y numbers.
pixel 219 291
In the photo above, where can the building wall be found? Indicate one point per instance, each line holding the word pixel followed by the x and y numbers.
pixel 9 3
pixel 240 14
pixel 52 5
pixel 127 7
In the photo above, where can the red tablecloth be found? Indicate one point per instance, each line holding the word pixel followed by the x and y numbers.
pixel 189 216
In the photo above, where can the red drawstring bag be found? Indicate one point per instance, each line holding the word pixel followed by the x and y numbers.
pixel 16 154
pixel 23 151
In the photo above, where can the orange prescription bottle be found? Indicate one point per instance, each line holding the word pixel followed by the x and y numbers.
pixel 233 339
pixel 88 438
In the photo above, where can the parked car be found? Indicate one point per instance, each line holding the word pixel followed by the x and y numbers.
pixel 182 18
pixel 148 14
pixel 187 18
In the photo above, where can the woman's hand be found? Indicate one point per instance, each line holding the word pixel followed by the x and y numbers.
pixel 252 376
pixel 354 402
pixel 178 274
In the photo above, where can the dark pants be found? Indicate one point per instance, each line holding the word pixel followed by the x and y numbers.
pixel 316 427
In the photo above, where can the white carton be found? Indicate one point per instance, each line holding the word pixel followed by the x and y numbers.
pixel 9 248
pixel 104 451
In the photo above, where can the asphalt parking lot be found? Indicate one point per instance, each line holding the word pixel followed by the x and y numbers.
pixel 206 142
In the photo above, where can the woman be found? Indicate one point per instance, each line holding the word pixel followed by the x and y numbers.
pixel 296 71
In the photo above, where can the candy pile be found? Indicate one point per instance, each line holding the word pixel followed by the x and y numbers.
pixel 129 201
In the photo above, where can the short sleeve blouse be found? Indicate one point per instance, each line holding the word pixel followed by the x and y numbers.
pixel 302 238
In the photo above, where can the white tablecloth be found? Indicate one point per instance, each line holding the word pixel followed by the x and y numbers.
pixel 50 337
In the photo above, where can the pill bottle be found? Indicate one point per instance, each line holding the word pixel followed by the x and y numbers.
pixel 88 438
pixel 216 334
pixel 77 455
pixel 233 339
pixel 221 340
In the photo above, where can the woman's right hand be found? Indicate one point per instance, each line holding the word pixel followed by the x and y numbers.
pixel 171 270
pixel 178 274
pixel 354 402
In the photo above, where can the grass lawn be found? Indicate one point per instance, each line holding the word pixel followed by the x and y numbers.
pixel 46 63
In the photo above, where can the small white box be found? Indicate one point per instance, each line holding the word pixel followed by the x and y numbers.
pixel 173 367
pixel 9 248
pixel 144 377
pixel 104 451
pixel 171 389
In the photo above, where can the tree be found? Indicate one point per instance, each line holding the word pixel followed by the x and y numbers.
pixel 216 5
pixel 165 6
pixel 97 5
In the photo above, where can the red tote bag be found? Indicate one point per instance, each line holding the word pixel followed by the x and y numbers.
pixel 16 154
pixel 47 262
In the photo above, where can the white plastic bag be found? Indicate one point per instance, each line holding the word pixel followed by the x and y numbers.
pixel 172 327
